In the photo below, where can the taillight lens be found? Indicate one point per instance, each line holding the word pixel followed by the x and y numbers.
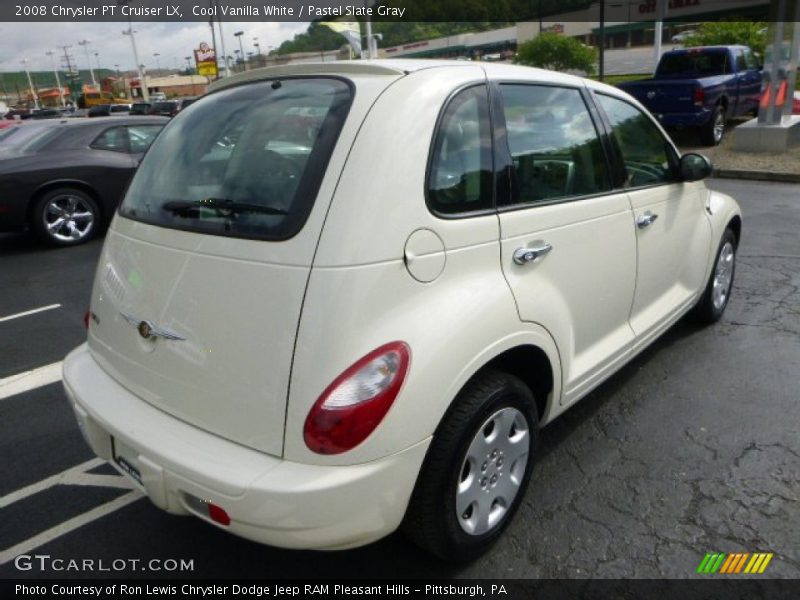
pixel 86 317
pixel 699 96
pixel 355 403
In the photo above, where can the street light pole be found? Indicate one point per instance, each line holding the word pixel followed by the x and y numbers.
pixel 142 82
pixel 85 44
pixel 50 53
pixel 239 35
pixel 24 61
pixel 158 63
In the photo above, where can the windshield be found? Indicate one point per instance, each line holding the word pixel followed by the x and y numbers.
pixel 693 64
pixel 244 162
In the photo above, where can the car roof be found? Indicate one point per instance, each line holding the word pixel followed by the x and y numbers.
pixel 390 67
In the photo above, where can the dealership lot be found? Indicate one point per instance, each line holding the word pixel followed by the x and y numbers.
pixel 691 448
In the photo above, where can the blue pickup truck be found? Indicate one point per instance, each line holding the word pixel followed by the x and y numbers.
pixel 701 88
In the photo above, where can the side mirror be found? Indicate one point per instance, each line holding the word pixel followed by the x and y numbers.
pixel 695 167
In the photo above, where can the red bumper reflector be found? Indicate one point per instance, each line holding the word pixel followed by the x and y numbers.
pixel 218 514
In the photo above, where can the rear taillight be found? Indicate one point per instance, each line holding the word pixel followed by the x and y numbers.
pixel 699 96
pixel 353 405
pixel 86 317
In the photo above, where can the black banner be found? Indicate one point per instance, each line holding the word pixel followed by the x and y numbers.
pixel 490 589
pixel 507 11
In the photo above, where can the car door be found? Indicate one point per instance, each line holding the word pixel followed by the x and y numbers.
pixel 673 234
pixel 568 248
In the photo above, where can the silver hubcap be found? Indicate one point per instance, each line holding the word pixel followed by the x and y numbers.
pixel 719 127
pixel 723 276
pixel 68 218
pixel 492 471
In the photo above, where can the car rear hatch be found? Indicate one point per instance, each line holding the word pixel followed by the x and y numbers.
pixel 200 285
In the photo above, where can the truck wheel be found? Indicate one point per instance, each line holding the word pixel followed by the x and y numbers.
pixel 476 470
pixel 712 132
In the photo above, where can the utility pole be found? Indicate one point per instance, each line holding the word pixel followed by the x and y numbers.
pixel 24 62
pixel 661 11
pixel 51 54
pixel 70 73
pixel 85 44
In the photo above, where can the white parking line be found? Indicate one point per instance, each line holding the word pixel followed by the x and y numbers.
pixel 76 475
pixel 29 380
pixel 65 477
pixel 68 526
pixel 29 312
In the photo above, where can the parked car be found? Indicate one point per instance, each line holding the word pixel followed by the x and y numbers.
pixel 701 88
pixel 120 110
pixel 309 338
pixel 140 108
pixel 46 113
pixel 63 179
pixel 99 110
pixel 184 103
pixel 167 108
pixel 682 36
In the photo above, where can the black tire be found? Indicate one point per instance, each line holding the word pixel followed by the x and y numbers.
pixel 711 305
pixel 431 520
pixel 710 135
pixel 65 217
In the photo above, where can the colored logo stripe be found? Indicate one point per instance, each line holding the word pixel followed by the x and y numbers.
pixel 735 563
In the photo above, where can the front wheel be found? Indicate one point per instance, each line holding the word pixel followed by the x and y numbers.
pixel 715 297
pixel 476 470
pixel 65 217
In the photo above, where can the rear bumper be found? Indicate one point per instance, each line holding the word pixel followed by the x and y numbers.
pixel 269 500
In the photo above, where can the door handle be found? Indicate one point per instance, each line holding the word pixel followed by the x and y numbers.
pixel 646 220
pixel 534 254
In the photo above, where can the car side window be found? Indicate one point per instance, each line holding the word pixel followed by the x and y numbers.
pixel 141 136
pixel 555 148
pixel 114 139
pixel 741 62
pixel 647 156
pixel 750 59
pixel 460 176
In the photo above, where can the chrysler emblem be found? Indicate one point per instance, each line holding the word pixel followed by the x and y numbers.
pixel 150 330
pixel 145 329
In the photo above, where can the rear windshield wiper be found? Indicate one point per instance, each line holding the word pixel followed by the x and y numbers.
pixel 221 205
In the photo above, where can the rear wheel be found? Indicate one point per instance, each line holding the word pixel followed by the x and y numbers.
pixel 711 133
pixel 476 470
pixel 65 217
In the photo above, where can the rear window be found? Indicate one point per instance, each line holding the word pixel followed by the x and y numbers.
pixel 244 162
pixel 693 64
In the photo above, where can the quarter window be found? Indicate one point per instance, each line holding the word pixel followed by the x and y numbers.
pixel 645 152
pixel 460 178
pixel 114 139
pixel 555 148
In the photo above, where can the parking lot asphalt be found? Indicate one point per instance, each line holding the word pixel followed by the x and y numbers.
pixel 691 448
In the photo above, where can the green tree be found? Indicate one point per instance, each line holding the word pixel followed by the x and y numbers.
pixel 558 53
pixel 725 33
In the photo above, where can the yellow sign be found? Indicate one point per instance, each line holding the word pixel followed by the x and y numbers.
pixel 206 59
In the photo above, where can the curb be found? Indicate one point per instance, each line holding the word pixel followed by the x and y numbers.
pixel 757 175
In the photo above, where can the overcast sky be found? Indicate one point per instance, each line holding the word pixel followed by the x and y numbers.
pixel 173 41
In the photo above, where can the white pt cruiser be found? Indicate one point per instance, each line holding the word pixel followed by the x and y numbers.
pixel 339 299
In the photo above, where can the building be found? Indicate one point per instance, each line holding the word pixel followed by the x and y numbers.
pixel 173 86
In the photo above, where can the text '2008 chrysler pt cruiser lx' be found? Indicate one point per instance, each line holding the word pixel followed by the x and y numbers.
pixel 342 298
